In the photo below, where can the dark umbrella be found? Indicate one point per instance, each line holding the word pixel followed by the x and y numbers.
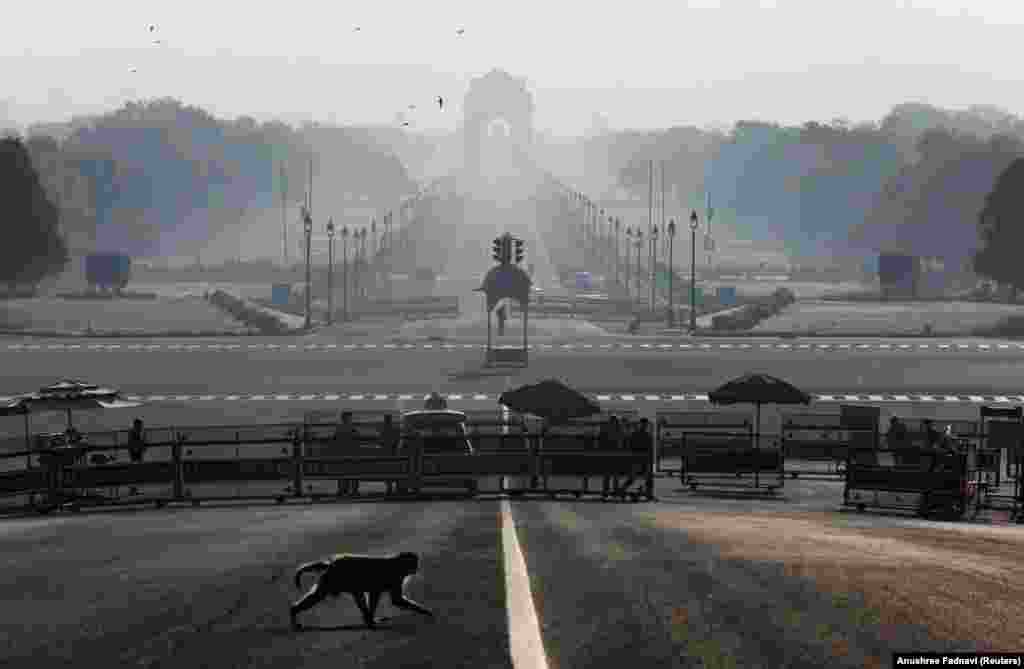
pixel 551 400
pixel 758 389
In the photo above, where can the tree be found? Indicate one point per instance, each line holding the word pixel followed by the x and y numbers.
pixel 1002 231
pixel 33 248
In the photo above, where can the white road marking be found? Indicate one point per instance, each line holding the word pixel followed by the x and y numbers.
pixel 526 647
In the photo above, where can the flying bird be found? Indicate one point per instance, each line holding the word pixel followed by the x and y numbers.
pixel 460 31
pixel 405 124
pixel 357 29
pixel 152 28
pixel 440 102
pixel 412 106
pixel 134 69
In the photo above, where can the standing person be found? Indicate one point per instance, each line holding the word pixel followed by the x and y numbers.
pixel 346 441
pixel 136 447
pixel 641 441
pixel 137 441
pixel 610 439
pixel 932 436
pixel 389 438
pixel 897 440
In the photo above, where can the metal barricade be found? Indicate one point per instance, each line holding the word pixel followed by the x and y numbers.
pixel 673 426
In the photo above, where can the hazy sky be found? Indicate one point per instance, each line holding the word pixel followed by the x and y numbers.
pixel 639 64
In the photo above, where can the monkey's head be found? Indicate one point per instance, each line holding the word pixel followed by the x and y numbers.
pixel 410 562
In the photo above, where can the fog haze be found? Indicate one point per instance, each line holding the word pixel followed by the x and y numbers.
pixel 642 65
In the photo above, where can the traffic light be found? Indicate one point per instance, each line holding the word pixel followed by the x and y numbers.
pixel 519 251
pixel 498 246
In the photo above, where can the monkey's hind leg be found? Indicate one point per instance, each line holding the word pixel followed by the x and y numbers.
pixel 401 601
pixel 361 603
pixel 312 598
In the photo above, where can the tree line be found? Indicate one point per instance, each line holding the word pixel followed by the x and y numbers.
pixel 914 182
pixel 160 177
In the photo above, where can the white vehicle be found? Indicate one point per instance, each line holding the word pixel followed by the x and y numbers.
pixel 437 432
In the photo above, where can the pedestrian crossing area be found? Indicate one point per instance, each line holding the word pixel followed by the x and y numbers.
pixel 603 397
pixel 577 346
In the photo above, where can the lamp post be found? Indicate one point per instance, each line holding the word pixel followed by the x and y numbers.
pixel 344 273
pixel 693 271
pixel 639 269
pixel 654 263
pixel 618 226
pixel 597 235
pixel 607 246
pixel 330 272
pixel 307 226
pixel 362 262
pixel 372 274
pixel 629 249
pixel 671 244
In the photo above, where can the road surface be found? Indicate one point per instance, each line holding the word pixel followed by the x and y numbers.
pixel 609 585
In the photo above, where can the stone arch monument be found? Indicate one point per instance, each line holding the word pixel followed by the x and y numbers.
pixel 496 95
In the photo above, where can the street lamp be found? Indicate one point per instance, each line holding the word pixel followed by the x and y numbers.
pixel 693 271
pixel 373 238
pixel 639 269
pixel 654 263
pixel 344 273
pixel 307 226
pixel 629 249
pixel 606 248
pixel 671 244
pixel 362 262
pixel 618 225
pixel 330 271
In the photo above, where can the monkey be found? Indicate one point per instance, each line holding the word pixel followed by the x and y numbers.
pixel 359 576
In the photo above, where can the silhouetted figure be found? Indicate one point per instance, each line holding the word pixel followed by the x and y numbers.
pixel 390 437
pixel 440 102
pixel 435 402
pixel 609 439
pixel 136 441
pixel 346 442
pixel 360 576
pixel 641 440
pixel 898 440
pixel 502 315
pixel 932 437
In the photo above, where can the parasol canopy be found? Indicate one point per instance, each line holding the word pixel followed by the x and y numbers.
pixel 758 389
pixel 67 395
pixel 551 400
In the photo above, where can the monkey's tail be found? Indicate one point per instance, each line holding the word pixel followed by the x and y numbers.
pixel 319 566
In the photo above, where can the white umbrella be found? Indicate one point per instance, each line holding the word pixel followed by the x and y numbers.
pixel 68 395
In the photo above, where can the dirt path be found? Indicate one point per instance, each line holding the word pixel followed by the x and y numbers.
pixel 958 582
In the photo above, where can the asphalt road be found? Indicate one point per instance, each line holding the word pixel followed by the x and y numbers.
pixel 209 587
pixel 248 366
